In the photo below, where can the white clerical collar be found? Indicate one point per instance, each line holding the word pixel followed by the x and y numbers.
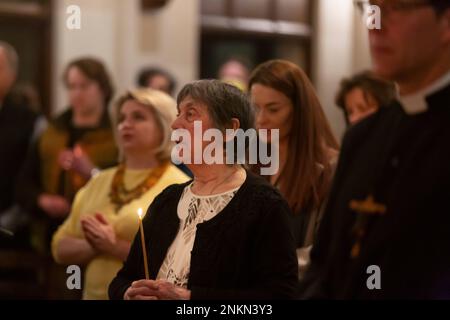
pixel 416 103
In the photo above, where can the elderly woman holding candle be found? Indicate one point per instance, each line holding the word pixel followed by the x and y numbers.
pixel 104 219
pixel 223 235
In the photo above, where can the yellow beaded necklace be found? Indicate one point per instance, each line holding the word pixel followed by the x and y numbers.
pixel 120 196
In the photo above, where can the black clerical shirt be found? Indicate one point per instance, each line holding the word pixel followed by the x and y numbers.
pixel 389 207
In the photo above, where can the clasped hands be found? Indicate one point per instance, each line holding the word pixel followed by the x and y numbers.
pixel 156 290
pixel 99 233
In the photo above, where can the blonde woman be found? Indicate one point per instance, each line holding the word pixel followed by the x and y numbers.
pixel 103 220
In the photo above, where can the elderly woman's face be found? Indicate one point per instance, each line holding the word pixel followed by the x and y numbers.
pixel 138 130
pixel 190 111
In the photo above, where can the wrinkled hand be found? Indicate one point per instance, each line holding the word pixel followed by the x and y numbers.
pixel 156 290
pixel 99 233
pixel 53 205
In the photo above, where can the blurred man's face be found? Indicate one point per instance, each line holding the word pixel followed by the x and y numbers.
pixel 159 82
pixel 235 73
pixel 409 42
pixel 7 75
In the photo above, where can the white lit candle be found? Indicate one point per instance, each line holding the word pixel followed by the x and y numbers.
pixel 144 250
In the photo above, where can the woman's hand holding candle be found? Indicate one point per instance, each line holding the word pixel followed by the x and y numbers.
pixel 156 290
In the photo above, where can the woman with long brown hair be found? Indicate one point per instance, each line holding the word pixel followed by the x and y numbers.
pixel 285 99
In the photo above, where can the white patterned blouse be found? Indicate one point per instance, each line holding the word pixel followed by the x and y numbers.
pixel 192 210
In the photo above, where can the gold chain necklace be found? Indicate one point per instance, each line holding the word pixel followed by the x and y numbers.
pixel 120 196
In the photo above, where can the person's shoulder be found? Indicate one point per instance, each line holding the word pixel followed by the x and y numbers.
pixel 26 112
pixel 259 182
pixel 105 173
pixel 259 203
pixel 173 191
pixel 254 180
pixel 97 187
pixel 57 124
pixel 175 175
pixel 358 132
pixel 259 191
pixel 18 110
pixel 103 177
pixel 56 127
pixel 392 111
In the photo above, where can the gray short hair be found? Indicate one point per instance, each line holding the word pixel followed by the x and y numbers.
pixel 11 55
pixel 223 101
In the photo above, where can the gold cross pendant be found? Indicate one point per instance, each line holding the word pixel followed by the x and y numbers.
pixel 367 206
pixel 364 208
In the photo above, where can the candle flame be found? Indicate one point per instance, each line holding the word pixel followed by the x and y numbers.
pixel 139 212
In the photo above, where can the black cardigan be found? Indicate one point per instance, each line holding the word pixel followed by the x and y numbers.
pixel 245 252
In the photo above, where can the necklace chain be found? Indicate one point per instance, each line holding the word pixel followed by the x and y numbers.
pixel 222 182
